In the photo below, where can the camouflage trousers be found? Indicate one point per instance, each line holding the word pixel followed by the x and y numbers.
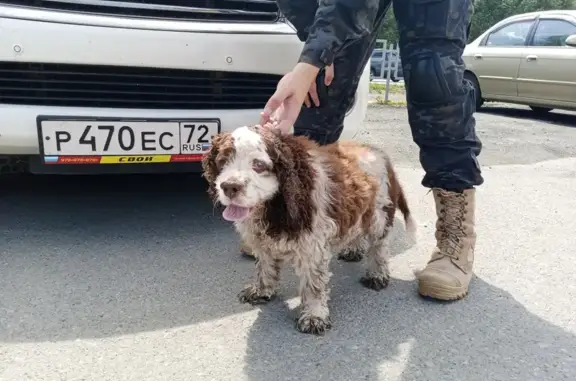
pixel 441 103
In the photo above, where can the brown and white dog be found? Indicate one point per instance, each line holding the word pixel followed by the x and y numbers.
pixel 292 200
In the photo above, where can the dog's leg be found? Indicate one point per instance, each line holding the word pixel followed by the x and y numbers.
pixel 267 276
pixel 314 272
pixel 377 273
pixel 351 255
pixel 355 251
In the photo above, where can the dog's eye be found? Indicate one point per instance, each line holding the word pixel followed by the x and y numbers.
pixel 259 166
pixel 220 163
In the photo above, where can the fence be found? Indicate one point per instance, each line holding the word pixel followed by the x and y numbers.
pixel 386 64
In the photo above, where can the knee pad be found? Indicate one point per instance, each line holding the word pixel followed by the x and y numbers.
pixel 435 79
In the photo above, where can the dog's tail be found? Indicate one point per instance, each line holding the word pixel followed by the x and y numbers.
pixel 401 201
pixel 408 218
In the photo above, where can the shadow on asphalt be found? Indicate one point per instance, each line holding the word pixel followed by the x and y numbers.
pixel 397 335
pixel 562 118
pixel 106 256
pixel 91 257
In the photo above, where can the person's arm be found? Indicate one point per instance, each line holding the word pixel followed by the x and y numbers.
pixel 337 23
pixel 300 13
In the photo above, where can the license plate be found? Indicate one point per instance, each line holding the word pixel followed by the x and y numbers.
pixel 123 141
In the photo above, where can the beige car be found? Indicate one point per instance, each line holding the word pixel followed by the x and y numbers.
pixel 527 59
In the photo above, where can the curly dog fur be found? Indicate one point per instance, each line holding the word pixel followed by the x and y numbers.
pixel 294 201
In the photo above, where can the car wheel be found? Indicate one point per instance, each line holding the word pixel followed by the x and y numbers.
pixel 540 110
pixel 477 92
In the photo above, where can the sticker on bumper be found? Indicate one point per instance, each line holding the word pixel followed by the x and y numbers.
pixel 135 159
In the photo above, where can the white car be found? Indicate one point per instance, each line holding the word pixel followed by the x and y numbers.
pixel 140 84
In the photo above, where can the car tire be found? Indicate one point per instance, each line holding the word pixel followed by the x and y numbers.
pixel 477 92
pixel 541 110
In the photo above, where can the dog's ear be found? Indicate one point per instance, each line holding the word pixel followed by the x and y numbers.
pixel 292 208
pixel 212 161
pixel 209 167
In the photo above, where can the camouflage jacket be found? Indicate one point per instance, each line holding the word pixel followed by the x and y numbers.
pixel 327 26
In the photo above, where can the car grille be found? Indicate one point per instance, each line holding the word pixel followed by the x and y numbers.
pixel 207 10
pixel 132 87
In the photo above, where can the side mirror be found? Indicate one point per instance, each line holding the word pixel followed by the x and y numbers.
pixel 571 41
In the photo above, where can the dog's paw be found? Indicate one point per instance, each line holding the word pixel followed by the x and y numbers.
pixel 313 324
pixel 350 256
pixel 375 283
pixel 254 295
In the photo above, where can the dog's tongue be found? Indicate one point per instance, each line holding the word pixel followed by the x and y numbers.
pixel 235 213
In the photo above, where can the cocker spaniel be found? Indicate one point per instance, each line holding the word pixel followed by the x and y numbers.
pixel 292 200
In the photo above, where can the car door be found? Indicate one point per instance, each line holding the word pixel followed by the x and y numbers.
pixel 548 67
pixel 496 59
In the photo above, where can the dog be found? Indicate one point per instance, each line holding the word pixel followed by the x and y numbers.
pixel 292 200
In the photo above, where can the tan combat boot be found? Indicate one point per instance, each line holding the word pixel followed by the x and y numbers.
pixel 449 271
pixel 245 249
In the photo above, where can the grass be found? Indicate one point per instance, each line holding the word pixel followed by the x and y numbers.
pixel 381 101
pixel 380 88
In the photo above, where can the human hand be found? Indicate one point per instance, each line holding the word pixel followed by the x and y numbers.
pixel 313 92
pixel 285 104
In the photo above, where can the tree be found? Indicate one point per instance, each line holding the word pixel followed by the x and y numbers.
pixel 486 14
pixel 389 30
pixel 489 12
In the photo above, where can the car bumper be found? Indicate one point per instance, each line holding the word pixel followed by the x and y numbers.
pixel 38 36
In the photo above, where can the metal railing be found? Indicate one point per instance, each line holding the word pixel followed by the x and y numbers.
pixel 386 64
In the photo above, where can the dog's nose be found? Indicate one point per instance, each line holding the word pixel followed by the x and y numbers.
pixel 231 188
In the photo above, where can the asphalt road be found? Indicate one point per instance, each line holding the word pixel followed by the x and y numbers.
pixel 135 278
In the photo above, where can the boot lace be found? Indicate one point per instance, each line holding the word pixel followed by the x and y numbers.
pixel 452 216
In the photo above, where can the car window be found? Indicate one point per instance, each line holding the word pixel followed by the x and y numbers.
pixel 514 34
pixel 552 33
pixel 377 55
